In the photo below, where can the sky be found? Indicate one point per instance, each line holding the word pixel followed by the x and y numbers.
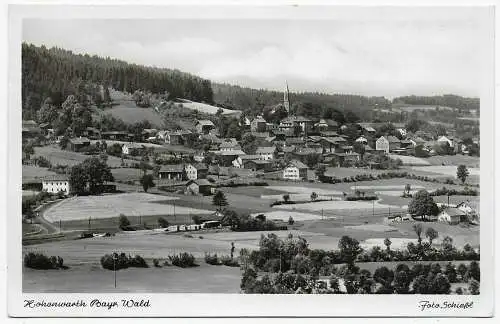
pixel 380 56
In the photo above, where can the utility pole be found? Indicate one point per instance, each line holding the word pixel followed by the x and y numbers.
pixel 175 217
pixel 89 222
pixel 114 266
pixel 322 215
pixel 373 208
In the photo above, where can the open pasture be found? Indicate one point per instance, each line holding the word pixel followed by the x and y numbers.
pixel 206 108
pixel 57 156
pixel 410 160
pixel 107 206
pixel 30 173
pixel 469 161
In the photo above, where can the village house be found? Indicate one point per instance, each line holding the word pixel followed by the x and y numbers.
pixel 204 126
pixel 382 144
pixel 362 140
pixel 199 187
pixel 133 149
pixel 394 143
pixel 367 129
pixel 173 138
pixel 196 171
pixel 258 125
pixel 148 133
pixel 116 136
pixel 295 170
pixel 78 143
pixel 56 184
pixel 266 153
pixel 240 160
pixel 226 158
pixel 257 165
pixel 326 125
pixel 171 172
pixel 471 209
pixel 229 144
pixel 332 144
pixel 453 216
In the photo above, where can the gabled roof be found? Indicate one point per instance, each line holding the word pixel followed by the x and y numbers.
pixel 329 133
pixel 231 153
pixel 174 168
pixel 393 139
pixel 265 149
pixel 297 164
pixel 329 122
pixel 258 119
pixel 79 140
pixel 200 182
pixel 452 211
pixel 205 122
pixel 199 166
pixel 57 177
pixel 250 157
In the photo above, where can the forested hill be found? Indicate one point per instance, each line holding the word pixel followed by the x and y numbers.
pixel 445 100
pixel 57 73
pixel 255 101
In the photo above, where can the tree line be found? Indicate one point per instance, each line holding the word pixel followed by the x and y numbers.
pixel 448 100
pixel 58 73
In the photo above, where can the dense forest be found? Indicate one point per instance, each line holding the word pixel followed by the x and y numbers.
pixel 57 73
pixel 445 100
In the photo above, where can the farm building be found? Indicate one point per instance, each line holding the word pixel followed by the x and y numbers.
pixel 470 208
pixel 171 172
pixel 256 165
pixel 332 144
pixel 240 160
pixel 266 153
pixel 271 128
pixel 394 143
pixel 382 144
pixel 56 184
pixel 361 139
pixel 204 126
pixel 229 144
pixel 78 143
pixel 295 170
pixel 196 171
pixel 258 125
pixel 226 158
pixel 133 149
pixel 199 186
pixel 452 216
pixel 116 136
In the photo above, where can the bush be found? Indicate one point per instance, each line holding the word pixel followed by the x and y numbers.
pixel 197 219
pixel 183 260
pixel 162 222
pixel 156 263
pixel 212 259
pixel 120 261
pixel 230 262
pixel 40 261
pixel 123 222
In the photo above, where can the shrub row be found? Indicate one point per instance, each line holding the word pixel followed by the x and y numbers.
pixel 40 261
pixel 183 260
pixel 452 192
pixel 355 198
pixel 120 261
pixel 226 260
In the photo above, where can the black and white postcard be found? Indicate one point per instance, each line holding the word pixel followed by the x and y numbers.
pixel 241 161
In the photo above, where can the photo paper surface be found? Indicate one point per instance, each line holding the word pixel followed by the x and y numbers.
pixel 243 161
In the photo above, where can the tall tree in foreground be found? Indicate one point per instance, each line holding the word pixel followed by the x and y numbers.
pixel 147 182
pixel 423 205
pixel 219 200
pixel 462 173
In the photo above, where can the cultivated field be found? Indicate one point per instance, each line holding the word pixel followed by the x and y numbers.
pixel 57 156
pixel 112 205
pixel 469 161
pixel 410 160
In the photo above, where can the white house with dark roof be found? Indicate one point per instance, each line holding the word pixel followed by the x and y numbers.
pixel 382 144
pixel 452 215
pixel 266 153
pixel 196 171
pixel 295 170
pixel 55 184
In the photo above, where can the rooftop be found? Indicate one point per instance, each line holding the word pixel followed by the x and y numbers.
pixel 172 168
pixel 297 164
pixel 265 150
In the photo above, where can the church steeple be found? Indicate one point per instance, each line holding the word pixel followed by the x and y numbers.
pixel 286 100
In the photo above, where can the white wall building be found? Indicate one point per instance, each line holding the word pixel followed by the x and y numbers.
pixel 56 184
pixel 382 144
